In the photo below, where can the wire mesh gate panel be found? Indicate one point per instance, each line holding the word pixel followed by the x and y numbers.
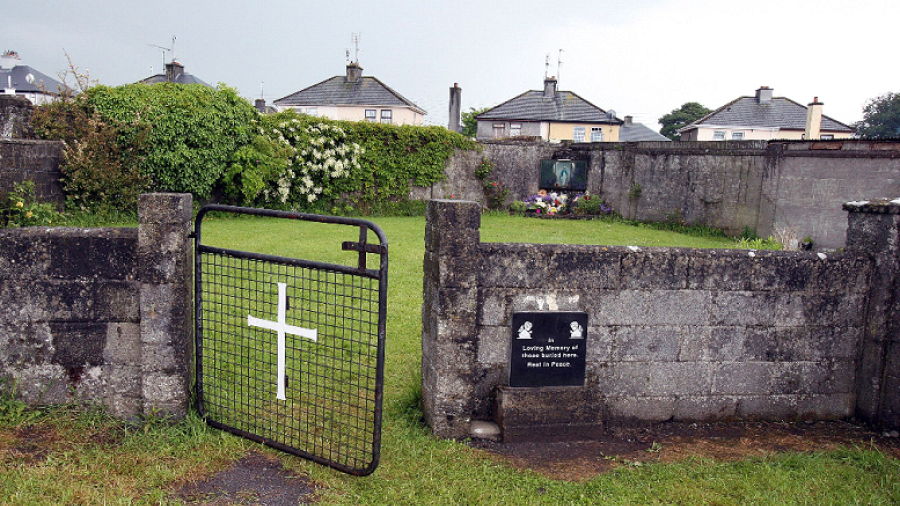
pixel 290 352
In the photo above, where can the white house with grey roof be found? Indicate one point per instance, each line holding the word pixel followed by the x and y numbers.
pixel 552 115
pixel 19 79
pixel 354 97
pixel 764 117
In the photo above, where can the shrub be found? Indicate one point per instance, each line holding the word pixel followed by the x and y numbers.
pixel 591 205
pixel 129 139
pixel 494 192
pixel 333 164
pixel 23 210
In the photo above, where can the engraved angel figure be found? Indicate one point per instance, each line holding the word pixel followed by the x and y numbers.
pixel 525 331
pixel 576 331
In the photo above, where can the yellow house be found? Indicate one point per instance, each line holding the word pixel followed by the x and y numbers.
pixel 764 117
pixel 354 97
pixel 551 115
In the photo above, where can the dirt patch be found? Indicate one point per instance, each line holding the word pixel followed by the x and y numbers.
pixel 253 480
pixel 29 446
pixel 671 442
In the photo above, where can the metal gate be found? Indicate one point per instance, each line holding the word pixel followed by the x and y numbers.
pixel 290 352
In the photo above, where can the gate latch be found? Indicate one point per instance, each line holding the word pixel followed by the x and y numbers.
pixel 363 247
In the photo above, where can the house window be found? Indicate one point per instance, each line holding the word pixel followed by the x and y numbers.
pixel 371 115
pixel 515 129
pixel 499 129
pixel 718 135
pixel 826 137
pixel 578 134
pixel 312 111
pixel 737 136
pixel 596 134
pixel 386 116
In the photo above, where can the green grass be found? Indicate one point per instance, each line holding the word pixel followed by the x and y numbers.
pixel 68 456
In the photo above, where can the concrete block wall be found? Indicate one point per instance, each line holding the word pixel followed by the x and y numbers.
pixel 101 315
pixel 674 334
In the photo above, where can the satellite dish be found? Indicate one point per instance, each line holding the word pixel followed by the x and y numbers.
pixel 30 78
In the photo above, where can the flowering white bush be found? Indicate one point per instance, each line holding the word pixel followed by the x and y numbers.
pixel 322 154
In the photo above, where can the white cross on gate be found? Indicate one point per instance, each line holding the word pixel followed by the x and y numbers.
pixel 282 328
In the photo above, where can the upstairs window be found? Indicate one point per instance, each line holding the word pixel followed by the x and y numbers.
pixel 371 115
pixel 737 136
pixel 499 129
pixel 826 137
pixel 718 135
pixel 515 129
pixel 596 134
pixel 578 134
pixel 312 111
pixel 386 116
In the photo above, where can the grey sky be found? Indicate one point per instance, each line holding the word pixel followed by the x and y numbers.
pixel 641 58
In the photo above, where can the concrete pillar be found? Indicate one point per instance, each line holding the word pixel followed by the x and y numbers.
pixel 874 230
pixel 165 273
pixel 455 108
pixel 449 342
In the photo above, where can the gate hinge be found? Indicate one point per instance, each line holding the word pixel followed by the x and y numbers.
pixel 363 247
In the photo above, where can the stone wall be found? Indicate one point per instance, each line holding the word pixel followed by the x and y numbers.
pixel 769 187
pixel 35 160
pixel 101 315
pixel 674 334
pixel 15 117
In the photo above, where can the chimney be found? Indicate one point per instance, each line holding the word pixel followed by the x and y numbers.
pixel 9 59
pixel 260 105
pixel 764 95
pixel 628 120
pixel 173 70
pixel 813 120
pixel 354 72
pixel 550 87
pixel 455 108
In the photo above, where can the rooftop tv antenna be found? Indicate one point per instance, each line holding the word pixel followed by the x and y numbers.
pixel 559 63
pixel 546 66
pixel 354 39
pixel 164 49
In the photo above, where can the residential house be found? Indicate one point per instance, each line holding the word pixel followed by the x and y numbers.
pixel 22 80
pixel 765 117
pixel 552 115
pixel 354 97
pixel 174 74
pixel 638 132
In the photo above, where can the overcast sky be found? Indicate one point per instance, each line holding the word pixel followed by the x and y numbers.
pixel 638 57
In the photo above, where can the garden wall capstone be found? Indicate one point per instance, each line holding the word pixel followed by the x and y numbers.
pixel 673 334
pixel 101 315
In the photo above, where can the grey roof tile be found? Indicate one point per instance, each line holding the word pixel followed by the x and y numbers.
pixel 338 91
pixel 533 106
pixel 780 112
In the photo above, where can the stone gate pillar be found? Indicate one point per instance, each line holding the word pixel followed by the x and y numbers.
pixel 166 275
pixel 449 344
pixel 874 230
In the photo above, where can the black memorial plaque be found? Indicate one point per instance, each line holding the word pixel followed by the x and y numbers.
pixel 548 349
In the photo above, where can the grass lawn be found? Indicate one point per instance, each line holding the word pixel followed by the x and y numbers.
pixel 68 456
